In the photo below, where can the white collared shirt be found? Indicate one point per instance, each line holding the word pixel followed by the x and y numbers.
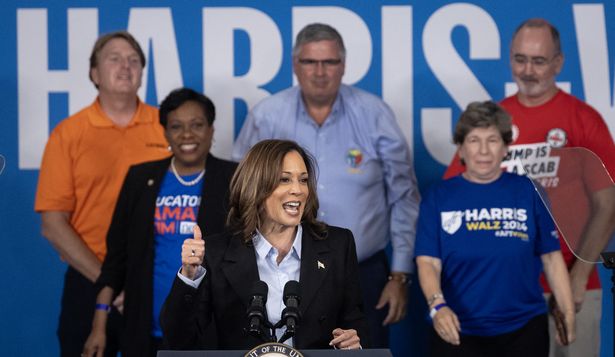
pixel 277 275
pixel 274 275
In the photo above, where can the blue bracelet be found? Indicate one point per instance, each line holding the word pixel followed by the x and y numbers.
pixel 435 309
pixel 103 307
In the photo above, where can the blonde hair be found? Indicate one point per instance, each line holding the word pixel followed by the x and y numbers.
pixel 104 39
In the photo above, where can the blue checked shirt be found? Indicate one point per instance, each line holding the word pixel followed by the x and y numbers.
pixel 366 180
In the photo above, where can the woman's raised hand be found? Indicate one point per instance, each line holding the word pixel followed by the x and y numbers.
pixel 193 253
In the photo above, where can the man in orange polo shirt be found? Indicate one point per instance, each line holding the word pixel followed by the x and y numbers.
pixel 83 167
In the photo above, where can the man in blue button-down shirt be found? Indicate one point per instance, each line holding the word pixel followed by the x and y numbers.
pixel 366 180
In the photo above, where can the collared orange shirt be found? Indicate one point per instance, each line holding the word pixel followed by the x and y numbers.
pixel 84 164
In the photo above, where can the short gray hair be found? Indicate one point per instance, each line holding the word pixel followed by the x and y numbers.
pixel 319 32
pixel 483 115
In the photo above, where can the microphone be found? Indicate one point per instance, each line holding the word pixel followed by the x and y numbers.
pixel 257 311
pixel 291 316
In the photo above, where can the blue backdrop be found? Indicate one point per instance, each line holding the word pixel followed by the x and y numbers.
pixel 427 59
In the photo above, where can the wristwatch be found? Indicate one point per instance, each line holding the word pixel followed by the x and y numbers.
pixel 403 278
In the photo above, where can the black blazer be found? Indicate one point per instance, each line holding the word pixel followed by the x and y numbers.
pixel 330 294
pixel 129 262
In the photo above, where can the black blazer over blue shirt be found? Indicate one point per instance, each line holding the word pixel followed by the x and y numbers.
pixel 129 264
pixel 330 294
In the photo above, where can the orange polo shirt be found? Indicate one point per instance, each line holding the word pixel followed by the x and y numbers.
pixel 84 164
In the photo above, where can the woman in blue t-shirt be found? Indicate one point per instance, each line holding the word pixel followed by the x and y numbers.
pixel 158 206
pixel 483 238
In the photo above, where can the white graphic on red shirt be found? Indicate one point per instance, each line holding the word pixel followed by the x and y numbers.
pixel 556 138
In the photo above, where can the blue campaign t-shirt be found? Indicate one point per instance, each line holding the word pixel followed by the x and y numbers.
pixel 490 238
pixel 177 207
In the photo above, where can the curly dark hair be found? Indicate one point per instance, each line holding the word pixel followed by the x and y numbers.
pixel 179 96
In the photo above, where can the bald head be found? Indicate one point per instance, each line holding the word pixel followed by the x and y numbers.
pixel 538 23
pixel 535 61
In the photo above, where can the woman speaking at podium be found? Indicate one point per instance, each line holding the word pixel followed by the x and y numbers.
pixel 272 235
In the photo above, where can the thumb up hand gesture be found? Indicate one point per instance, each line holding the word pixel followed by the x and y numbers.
pixel 193 253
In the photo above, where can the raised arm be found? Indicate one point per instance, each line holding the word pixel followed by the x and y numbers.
pixel 181 317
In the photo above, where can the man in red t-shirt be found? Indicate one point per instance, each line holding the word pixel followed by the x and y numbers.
pixel 545 119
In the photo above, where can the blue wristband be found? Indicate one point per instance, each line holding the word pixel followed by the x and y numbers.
pixel 435 309
pixel 103 307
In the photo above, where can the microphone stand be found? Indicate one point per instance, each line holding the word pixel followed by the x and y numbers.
pixel 290 331
pixel 259 324
pixel 290 317
pixel 262 332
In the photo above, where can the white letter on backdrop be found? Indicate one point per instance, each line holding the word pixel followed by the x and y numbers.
pixel 221 83
pixel 35 81
pixel 397 64
pixel 154 27
pixel 594 57
pixel 451 70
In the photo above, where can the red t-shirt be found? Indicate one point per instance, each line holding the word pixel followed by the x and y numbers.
pixel 563 121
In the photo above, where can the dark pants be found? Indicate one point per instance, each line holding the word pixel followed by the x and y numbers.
pixel 78 302
pixel 531 340
pixel 374 273
pixel 156 344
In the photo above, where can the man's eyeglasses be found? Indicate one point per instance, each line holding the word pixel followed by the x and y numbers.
pixel 326 63
pixel 538 61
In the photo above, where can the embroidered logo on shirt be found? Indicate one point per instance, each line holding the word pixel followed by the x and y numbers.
pixel 354 158
pixel 556 138
pixel 156 145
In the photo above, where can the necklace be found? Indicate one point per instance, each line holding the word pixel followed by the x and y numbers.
pixel 181 180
